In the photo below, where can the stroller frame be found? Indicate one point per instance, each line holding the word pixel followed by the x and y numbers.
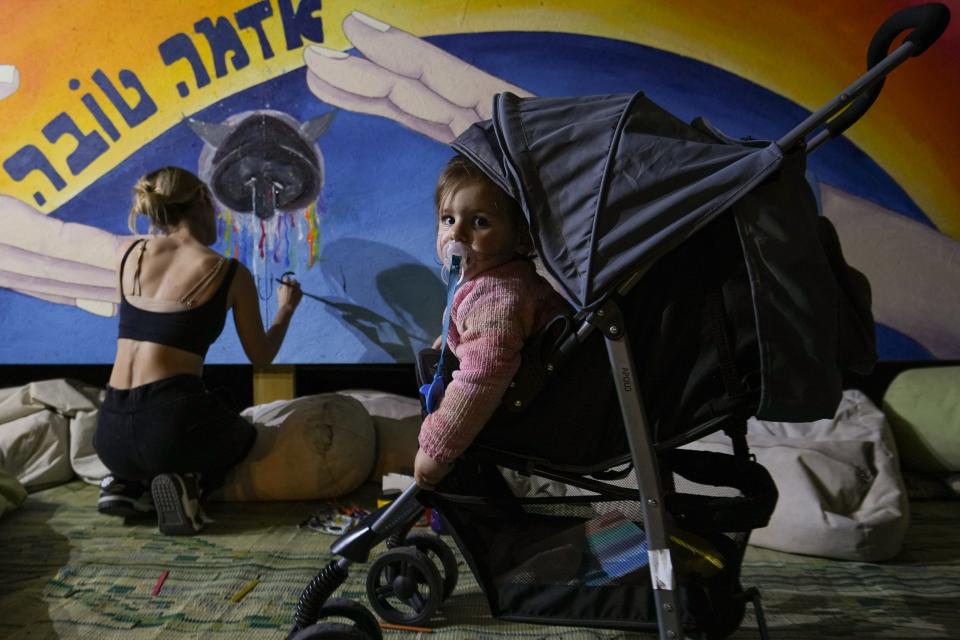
pixel 393 522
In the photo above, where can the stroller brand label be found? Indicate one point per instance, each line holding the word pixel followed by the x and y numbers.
pixel 626 377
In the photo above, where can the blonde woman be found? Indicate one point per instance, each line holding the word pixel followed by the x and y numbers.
pixel 166 439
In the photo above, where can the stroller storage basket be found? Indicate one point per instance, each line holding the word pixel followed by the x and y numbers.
pixel 581 558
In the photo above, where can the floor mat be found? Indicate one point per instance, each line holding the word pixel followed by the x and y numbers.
pixel 68 572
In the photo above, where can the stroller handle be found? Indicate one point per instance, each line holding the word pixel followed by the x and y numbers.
pixel 928 22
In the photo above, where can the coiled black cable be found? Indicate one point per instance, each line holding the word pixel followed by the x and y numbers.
pixel 316 593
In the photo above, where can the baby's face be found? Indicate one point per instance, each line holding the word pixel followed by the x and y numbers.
pixel 469 215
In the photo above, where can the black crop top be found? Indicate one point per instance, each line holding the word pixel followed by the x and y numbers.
pixel 192 330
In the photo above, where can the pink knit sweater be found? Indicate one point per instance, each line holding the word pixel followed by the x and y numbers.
pixel 492 315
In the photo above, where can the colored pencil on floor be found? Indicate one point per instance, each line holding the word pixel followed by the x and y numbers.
pixel 244 590
pixel 159 583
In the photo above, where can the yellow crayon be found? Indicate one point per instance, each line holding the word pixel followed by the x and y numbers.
pixel 244 590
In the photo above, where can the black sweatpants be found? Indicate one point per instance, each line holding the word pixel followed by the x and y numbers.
pixel 171 425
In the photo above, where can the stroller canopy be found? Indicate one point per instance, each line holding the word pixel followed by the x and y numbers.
pixel 612 183
pixel 609 182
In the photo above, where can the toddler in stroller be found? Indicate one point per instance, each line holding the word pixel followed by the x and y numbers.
pixel 705 290
pixel 502 304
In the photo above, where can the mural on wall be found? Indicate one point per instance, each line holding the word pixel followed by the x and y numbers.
pixel 321 127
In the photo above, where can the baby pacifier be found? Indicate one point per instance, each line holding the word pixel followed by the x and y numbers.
pixel 454 259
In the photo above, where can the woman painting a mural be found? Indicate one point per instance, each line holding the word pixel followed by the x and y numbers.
pixel 165 438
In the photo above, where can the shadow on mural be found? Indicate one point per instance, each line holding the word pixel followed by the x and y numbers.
pixel 398 314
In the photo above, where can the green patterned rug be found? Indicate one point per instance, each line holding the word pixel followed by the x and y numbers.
pixel 68 572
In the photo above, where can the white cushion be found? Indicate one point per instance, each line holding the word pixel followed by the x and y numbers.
pixel 841 492
pixel 46 432
pixel 309 448
pixel 397 421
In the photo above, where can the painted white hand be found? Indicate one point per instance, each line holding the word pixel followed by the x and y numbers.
pixel 912 269
pixel 404 78
pixel 61 262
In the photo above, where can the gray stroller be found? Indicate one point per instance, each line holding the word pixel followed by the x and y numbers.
pixel 706 290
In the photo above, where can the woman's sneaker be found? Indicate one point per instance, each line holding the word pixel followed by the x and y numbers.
pixel 177 500
pixel 124 498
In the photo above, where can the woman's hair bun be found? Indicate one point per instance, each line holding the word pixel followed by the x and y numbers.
pixel 164 196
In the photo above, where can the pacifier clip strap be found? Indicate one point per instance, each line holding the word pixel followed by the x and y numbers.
pixel 433 392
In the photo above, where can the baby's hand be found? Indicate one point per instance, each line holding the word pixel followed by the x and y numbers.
pixel 427 472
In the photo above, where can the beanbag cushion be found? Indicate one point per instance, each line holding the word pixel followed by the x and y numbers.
pixel 923 407
pixel 46 432
pixel 397 421
pixel 309 448
pixel 841 492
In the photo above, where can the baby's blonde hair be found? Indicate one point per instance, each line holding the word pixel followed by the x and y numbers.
pixel 166 197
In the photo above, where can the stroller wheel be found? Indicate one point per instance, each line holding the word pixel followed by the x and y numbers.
pixel 330 631
pixel 433 546
pixel 404 586
pixel 364 627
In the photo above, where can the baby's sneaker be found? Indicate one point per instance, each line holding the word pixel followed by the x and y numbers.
pixel 124 498
pixel 177 500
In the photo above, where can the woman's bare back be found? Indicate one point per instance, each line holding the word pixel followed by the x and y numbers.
pixel 174 275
